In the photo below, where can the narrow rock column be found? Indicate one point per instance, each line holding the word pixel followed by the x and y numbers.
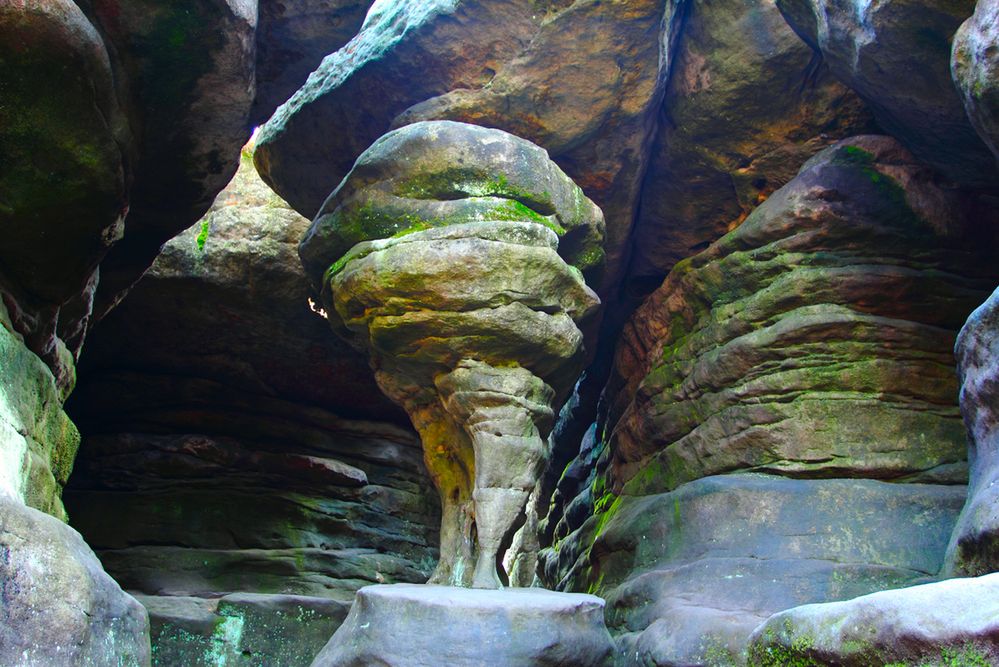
pixel 501 410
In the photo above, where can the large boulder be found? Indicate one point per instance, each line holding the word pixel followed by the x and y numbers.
pixel 186 71
pixel 975 68
pixel 896 55
pixel 953 622
pixel 582 80
pixel 787 348
pixel 59 607
pixel 747 103
pixel 292 39
pixel 975 546
pixel 417 626
pixel 64 144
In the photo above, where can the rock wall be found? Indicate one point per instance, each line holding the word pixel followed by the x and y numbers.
pixel 240 449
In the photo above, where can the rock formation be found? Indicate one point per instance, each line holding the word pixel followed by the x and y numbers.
pixel 787 348
pixel 975 68
pixel 453 255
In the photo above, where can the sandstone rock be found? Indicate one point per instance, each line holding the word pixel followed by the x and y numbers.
pixel 953 622
pixel 419 626
pixel 64 148
pixel 59 606
pixel 788 346
pixel 240 447
pixel 38 442
pixel 187 71
pixel 975 69
pixel 689 574
pixel 975 545
pixel 241 629
pixel 582 80
pixel 747 103
pixel 292 39
pixel 896 56
pixel 467 310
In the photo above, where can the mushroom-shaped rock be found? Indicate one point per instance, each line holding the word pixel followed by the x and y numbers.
pixel 454 255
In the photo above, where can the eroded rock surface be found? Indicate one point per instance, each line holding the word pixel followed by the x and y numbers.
pixel 582 80
pixel 896 55
pixel 746 104
pixel 975 546
pixel 59 607
pixel 975 68
pixel 788 347
pixel 468 311
pixel 953 622
pixel 414 626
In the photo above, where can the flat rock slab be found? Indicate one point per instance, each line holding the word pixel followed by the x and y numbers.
pixel 408 625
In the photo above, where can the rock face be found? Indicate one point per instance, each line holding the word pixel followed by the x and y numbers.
pixel 582 80
pixel 946 623
pixel 975 546
pixel 467 309
pixel 786 348
pixel 224 455
pixel 59 607
pixel 746 104
pixel 975 68
pixel 418 626
pixel 896 56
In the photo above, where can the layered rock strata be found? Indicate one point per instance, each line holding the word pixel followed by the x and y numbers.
pixel 813 342
pixel 468 310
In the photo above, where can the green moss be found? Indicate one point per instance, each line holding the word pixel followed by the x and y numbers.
pixel 202 236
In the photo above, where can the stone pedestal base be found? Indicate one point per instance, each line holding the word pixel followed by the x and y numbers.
pixel 408 625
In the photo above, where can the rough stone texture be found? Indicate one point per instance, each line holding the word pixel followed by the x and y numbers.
pixel 58 606
pixel 419 626
pixel 292 39
pixel 467 310
pixel 896 56
pixel 747 103
pixel 240 447
pixel 975 69
pixel 975 546
pixel 953 622
pixel 38 442
pixel 582 80
pixel 787 347
pixel 63 184
pixel 188 78
pixel 241 629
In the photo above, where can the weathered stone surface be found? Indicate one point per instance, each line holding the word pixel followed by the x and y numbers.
pixel 689 574
pixel 292 39
pixel 418 626
pixel 467 310
pixel 63 184
pixel 582 80
pixel 38 442
pixel 188 78
pixel 240 447
pixel 896 56
pixel 747 103
pixel 953 622
pixel 59 607
pixel 789 345
pixel 241 629
pixel 975 545
pixel 975 68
